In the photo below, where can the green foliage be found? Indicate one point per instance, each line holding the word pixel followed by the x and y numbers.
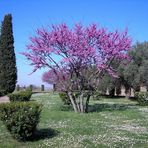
pixel 136 72
pixel 104 83
pixel 97 95
pixel 8 70
pixel 20 118
pixel 131 75
pixel 110 83
pixel 64 97
pixel 20 96
pixel 142 98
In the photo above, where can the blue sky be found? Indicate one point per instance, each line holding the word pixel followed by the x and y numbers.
pixel 28 15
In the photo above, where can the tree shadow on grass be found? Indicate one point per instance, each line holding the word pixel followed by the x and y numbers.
pixel 109 107
pixel 42 134
pixel 115 97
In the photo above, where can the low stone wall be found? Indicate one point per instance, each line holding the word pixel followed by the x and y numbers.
pixel 4 99
pixel 142 89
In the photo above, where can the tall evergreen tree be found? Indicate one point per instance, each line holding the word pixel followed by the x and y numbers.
pixel 8 70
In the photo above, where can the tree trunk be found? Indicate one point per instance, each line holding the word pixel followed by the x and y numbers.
pixel 80 104
pixel 118 91
pixel 73 102
pixel 112 92
pixel 128 93
pixel 87 102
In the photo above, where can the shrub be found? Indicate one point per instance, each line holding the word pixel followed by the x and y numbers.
pixel 64 97
pixel 97 95
pixel 20 96
pixel 142 98
pixel 20 118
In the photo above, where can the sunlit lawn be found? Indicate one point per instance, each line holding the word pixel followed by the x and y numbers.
pixel 114 123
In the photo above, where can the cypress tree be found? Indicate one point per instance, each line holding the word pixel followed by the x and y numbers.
pixel 8 70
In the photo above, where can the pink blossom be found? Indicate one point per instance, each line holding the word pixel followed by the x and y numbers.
pixel 67 52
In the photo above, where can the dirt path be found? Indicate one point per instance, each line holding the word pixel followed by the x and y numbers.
pixel 4 99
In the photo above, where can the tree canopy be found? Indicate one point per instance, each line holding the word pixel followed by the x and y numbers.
pixel 8 71
pixel 71 54
pixel 133 75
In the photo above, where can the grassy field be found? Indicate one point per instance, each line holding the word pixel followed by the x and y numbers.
pixel 114 123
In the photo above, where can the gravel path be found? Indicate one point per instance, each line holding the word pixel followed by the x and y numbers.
pixel 4 99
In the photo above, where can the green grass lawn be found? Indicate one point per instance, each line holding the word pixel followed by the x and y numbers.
pixel 115 123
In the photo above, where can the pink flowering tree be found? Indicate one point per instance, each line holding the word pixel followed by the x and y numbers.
pixel 77 57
